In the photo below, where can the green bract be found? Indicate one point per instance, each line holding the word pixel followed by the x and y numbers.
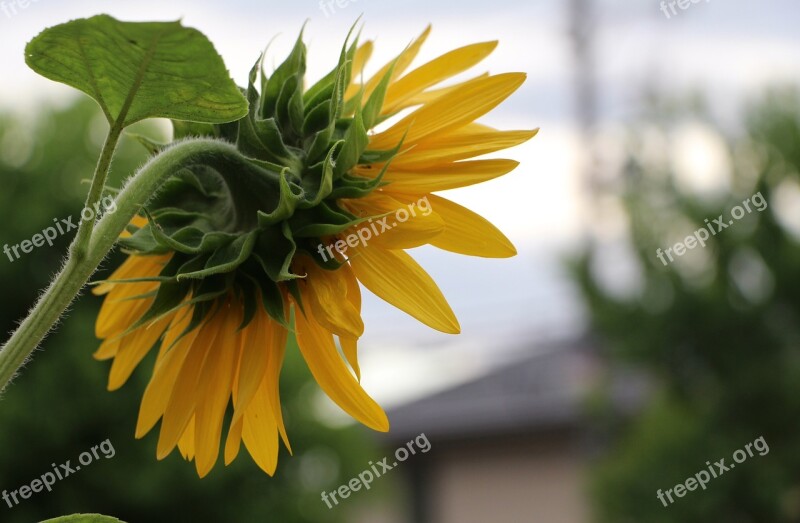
pixel 236 221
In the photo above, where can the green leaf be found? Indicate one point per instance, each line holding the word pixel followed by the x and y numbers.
pixel 138 70
pixel 84 518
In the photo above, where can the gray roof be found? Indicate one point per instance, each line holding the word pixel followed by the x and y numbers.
pixel 547 390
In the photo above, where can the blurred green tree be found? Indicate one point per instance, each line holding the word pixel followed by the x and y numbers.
pixel 717 330
pixel 59 408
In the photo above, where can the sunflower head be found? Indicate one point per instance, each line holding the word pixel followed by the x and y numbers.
pixel 235 249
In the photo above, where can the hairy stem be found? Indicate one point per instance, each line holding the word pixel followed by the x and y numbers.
pixel 80 245
pixel 78 269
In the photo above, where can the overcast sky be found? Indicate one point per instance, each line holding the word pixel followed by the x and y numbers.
pixel 728 49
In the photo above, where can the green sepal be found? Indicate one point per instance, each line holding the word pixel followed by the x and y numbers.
pixel 324 87
pixel 372 109
pixel 294 289
pixel 226 258
pixel 142 241
pixel 311 249
pixel 259 137
pixel 289 196
pixel 289 111
pixel 318 180
pixel 271 297
pixel 293 66
pixel 352 187
pixel 249 301
pixel 318 119
pixel 323 220
pixel 277 242
pixel 355 141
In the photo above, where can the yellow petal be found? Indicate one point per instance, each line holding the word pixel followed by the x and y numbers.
pixel 260 432
pixel 396 278
pixel 183 399
pixel 121 309
pixel 350 350
pixel 469 233
pixel 107 350
pixel 459 146
pixel 360 59
pixel 234 441
pixel 450 111
pixel 349 344
pixel 401 63
pixel 214 392
pixel 133 348
pixel 277 336
pixel 133 267
pixel 441 177
pixel 432 94
pixel 158 391
pixel 398 225
pixel 253 366
pixel 435 71
pixel 322 357
pixel 335 299
pixel 186 443
pixel 263 350
pixel 325 291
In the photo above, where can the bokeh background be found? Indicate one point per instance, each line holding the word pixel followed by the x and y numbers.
pixel 588 375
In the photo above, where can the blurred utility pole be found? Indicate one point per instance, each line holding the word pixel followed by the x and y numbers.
pixel 582 28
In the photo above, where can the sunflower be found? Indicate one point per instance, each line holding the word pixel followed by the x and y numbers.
pixel 237 251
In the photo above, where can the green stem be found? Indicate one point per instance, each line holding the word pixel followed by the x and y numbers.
pixel 81 243
pixel 78 269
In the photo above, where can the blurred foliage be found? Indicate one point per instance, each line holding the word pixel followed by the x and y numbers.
pixel 718 330
pixel 58 407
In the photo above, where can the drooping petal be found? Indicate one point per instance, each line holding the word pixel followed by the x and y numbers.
pixel 134 346
pixel 214 393
pixel 121 308
pixel 350 350
pixel 107 350
pixel 183 399
pixel 396 278
pixel 186 443
pixel 234 440
pixel 327 293
pixel 253 365
pixel 277 336
pixel 260 431
pixel 350 344
pixel 326 365
pixel 158 391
